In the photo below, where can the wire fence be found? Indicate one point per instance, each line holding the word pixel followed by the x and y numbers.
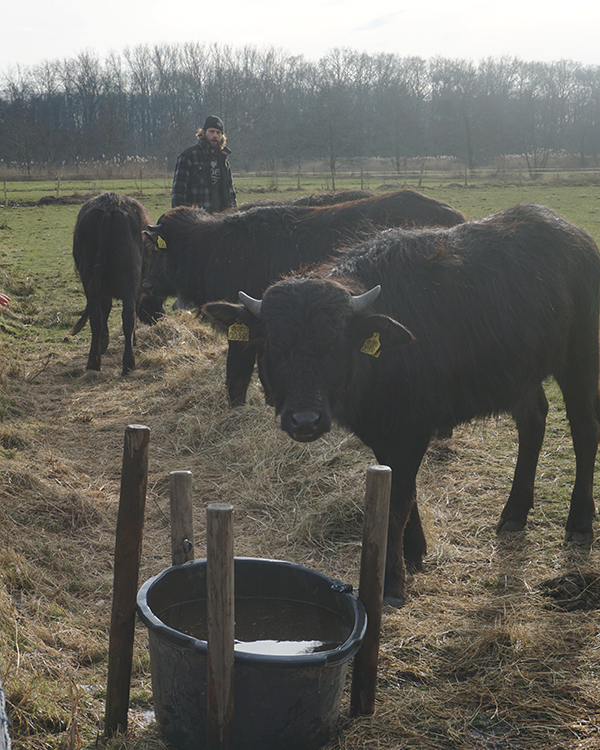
pixel 29 188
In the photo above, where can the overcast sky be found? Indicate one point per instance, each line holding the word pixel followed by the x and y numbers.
pixel 36 30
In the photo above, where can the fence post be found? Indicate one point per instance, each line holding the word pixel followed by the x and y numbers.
pixel 128 549
pixel 220 604
pixel 372 574
pixel 182 517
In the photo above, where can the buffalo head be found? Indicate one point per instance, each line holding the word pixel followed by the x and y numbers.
pixel 314 334
pixel 158 279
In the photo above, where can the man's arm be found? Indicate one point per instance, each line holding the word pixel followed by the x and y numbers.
pixel 232 193
pixel 181 180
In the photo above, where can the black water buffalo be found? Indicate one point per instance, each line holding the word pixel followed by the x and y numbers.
pixel 111 260
pixel 210 257
pixel 468 323
pixel 313 199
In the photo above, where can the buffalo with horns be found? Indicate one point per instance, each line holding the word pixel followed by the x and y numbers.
pixel 422 329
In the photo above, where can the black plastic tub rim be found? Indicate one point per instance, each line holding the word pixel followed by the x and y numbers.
pixel 184 642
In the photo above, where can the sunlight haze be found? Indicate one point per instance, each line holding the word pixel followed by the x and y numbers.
pixel 548 31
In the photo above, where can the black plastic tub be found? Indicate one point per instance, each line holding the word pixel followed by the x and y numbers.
pixel 282 701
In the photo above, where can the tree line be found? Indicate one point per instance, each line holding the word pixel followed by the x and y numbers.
pixel 282 110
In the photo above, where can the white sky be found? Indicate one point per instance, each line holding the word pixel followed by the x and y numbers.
pixel 39 30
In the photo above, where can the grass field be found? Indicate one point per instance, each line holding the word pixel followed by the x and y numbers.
pixel 480 657
pixel 35 240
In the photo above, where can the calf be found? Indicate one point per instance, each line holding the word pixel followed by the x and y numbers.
pixel 314 199
pixel 209 257
pixel 110 259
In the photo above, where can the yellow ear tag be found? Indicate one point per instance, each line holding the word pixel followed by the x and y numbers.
pixel 239 331
pixel 372 346
pixel 161 244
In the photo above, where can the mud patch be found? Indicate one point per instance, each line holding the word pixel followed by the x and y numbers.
pixel 573 591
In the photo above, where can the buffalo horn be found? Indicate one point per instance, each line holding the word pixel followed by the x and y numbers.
pixel 362 301
pixel 156 228
pixel 250 303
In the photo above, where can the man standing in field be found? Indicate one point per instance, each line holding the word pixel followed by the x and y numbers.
pixel 203 173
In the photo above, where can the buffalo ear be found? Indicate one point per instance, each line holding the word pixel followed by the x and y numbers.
pixel 386 330
pixel 228 314
pixel 241 325
pixel 155 237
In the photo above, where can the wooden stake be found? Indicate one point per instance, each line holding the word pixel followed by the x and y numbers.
pixel 182 517
pixel 128 549
pixel 372 574
pixel 220 602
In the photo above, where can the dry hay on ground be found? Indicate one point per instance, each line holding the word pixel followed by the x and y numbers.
pixel 497 648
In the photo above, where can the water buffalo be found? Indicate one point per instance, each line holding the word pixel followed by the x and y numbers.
pixel 314 199
pixel 210 257
pixel 111 259
pixel 456 323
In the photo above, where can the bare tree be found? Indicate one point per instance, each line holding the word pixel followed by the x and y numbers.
pixel 283 110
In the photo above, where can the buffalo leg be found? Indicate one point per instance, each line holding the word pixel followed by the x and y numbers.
pixel 583 411
pixel 530 418
pixel 96 324
pixel 415 544
pixel 241 357
pixel 128 318
pixel 406 545
pixel 105 338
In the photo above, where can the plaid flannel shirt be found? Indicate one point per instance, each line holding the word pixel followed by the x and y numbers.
pixel 203 178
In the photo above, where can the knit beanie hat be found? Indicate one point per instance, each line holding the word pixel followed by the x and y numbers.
pixel 214 122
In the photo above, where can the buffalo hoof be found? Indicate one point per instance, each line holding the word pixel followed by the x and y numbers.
pixel 414 566
pixel 393 601
pixel 505 525
pixel 394 590
pixel 579 537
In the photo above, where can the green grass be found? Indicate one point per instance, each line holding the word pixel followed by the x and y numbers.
pixel 580 205
pixel 36 265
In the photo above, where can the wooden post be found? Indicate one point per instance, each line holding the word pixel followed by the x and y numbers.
pixel 220 602
pixel 182 517
pixel 128 548
pixel 372 574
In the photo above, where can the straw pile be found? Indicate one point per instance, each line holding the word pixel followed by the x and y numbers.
pixel 497 647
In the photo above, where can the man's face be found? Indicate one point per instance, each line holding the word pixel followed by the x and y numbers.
pixel 213 136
